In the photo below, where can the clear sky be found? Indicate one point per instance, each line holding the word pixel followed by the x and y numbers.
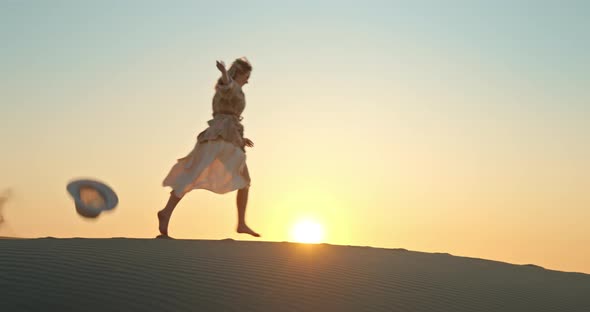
pixel 460 127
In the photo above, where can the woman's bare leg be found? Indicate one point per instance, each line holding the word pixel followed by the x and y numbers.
pixel 242 201
pixel 165 214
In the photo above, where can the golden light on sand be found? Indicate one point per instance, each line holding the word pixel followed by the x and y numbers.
pixel 307 231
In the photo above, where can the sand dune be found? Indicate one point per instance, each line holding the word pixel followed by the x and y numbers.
pixel 198 275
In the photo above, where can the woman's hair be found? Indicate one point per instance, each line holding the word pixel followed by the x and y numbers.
pixel 239 66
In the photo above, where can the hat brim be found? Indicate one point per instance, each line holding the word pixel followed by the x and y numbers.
pixel 108 195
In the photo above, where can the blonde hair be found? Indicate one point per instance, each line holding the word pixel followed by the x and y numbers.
pixel 239 66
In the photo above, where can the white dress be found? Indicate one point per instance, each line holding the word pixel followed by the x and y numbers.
pixel 218 161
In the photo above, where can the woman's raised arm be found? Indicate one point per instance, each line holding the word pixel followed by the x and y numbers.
pixel 224 75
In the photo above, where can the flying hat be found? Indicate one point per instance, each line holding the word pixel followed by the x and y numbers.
pixel 92 197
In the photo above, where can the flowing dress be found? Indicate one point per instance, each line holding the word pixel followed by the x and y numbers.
pixel 218 161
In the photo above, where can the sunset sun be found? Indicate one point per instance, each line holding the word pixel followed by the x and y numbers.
pixel 307 231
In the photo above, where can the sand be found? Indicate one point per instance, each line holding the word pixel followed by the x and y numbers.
pixel 123 274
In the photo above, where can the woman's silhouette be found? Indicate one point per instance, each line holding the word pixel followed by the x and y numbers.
pixel 218 161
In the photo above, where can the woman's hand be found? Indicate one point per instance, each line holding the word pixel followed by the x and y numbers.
pixel 248 142
pixel 221 67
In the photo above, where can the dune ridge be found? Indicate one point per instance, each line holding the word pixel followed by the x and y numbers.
pixel 124 274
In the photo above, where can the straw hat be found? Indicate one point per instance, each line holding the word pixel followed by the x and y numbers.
pixel 92 197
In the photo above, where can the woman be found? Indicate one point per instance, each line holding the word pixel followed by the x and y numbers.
pixel 218 161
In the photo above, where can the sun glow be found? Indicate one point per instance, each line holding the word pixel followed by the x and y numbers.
pixel 307 231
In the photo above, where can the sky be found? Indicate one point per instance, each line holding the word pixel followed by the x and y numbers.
pixel 459 127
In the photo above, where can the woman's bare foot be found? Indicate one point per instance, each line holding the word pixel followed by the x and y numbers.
pixel 243 228
pixel 163 219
